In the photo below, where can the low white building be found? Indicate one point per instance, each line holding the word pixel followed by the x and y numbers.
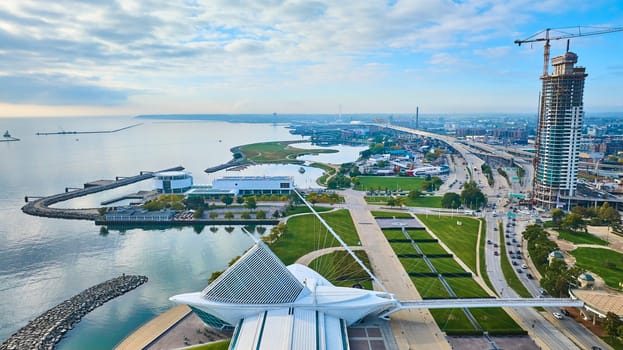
pixel 173 181
pixel 255 185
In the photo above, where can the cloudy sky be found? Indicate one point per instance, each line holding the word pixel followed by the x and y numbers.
pixel 127 57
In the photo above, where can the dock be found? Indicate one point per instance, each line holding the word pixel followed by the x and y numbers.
pixel 41 206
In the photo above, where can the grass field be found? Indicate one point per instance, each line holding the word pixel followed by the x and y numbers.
pixel 446 265
pixel 461 239
pixel 390 214
pixel 403 248
pixel 394 234
pixel 304 209
pixel 415 265
pixel 496 321
pixel 276 152
pixel 341 269
pixel 391 183
pixel 419 234
pixel 423 202
pixel 466 287
pixel 614 342
pixel 432 248
pixel 606 263
pixel 507 269
pixel 430 287
pixel 580 237
pixel 305 234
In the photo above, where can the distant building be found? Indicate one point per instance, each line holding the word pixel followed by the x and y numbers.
pixel 173 182
pixel 255 185
pixel 558 133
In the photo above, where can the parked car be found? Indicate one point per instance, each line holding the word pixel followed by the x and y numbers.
pixel 529 276
pixel 519 270
pixel 558 315
pixel 515 263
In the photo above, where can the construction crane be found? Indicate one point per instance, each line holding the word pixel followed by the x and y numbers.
pixel 564 33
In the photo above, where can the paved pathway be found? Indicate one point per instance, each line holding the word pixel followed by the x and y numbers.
pixel 153 329
pixel 413 329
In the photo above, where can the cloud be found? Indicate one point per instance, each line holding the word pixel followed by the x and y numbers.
pixel 56 90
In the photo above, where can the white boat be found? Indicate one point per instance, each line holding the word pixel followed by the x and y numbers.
pixel 6 134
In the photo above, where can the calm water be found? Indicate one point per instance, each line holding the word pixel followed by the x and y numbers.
pixel 45 261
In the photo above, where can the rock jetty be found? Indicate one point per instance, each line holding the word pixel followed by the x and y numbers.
pixel 48 329
pixel 41 207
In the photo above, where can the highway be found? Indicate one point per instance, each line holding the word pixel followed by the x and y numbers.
pixel 547 331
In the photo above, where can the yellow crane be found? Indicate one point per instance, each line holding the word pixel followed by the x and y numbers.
pixel 564 33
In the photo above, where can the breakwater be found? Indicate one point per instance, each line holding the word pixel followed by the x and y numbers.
pixel 87 132
pixel 242 161
pixel 41 206
pixel 45 331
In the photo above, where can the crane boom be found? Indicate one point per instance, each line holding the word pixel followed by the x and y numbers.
pixel 544 35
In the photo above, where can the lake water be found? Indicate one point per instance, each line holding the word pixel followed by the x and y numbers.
pixel 45 261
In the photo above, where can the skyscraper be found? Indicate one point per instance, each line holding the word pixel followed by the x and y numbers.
pixel 558 132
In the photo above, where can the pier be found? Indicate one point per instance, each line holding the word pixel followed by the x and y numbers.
pixel 86 132
pixel 45 331
pixel 41 206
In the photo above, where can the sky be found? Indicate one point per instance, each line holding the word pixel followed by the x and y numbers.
pixel 129 57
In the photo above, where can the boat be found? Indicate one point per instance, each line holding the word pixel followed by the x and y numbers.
pixel 301 170
pixel 6 134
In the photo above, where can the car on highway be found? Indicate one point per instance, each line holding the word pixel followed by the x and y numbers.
pixel 529 276
pixel 496 253
pixel 519 270
pixel 564 312
pixel 489 241
pixel 515 263
pixel 558 315
pixel 524 266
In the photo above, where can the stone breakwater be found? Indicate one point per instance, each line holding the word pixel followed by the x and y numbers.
pixel 41 207
pixel 48 329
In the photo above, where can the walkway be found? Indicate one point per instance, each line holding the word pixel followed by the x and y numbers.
pixel 413 329
pixel 153 329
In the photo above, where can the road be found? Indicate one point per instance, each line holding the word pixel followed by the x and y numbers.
pixel 546 330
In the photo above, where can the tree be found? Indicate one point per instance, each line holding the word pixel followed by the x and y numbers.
pixel 573 222
pixel 472 197
pixel 239 199
pixel 260 214
pixel 245 215
pixel 250 202
pixel 557 216
pixel 391 201
pixel 609 215
pixel 229 215
pixel 451 200
pixel 414 194
pixel 213 215
pixel 612 323
pixel 228 200
pixel 276 214
pixel 557 278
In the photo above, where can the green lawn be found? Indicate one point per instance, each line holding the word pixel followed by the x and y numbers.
pixel 305 234
pixel 453 321
pixel 276 151
pixel 580 237
pixel 403 248
pixel 391 183
pixel 461 239
pixel 466 287
pixel 508 270
pixel 390 214
pixel 432 248
pixel 614 342
pixel 341 269
pixel 446 265
pixel 606 263
pixel 496 321
pixel 414 265
pixel 394 234
pixel 304 209
pixel 424 201
pixel 429 287
pixel 419 234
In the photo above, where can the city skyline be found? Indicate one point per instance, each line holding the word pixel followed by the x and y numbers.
pixel 134 58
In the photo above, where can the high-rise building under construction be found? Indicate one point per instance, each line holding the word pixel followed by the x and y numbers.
pixel 558 133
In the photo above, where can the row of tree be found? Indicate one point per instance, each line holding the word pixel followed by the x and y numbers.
pixel 470 197
pixel 579 216
pixel 557 276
